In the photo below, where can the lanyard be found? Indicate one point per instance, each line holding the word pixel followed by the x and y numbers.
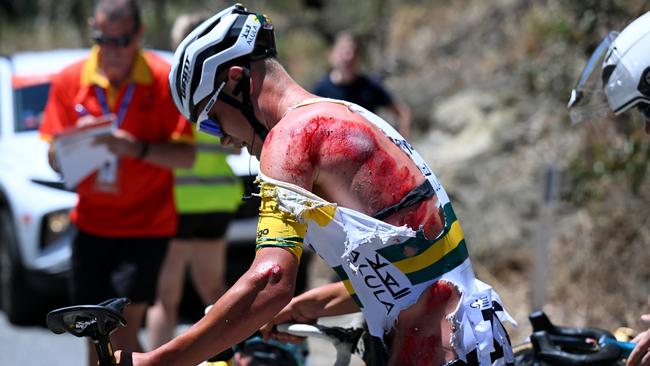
pixel 126 100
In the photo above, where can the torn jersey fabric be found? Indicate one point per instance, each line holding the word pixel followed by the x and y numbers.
pixel 386 268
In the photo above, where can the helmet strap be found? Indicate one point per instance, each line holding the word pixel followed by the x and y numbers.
pixel 245 106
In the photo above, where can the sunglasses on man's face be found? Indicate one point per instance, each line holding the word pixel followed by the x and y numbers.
pixel 207 123
pixel 121 41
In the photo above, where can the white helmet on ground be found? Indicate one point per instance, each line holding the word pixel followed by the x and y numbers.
pixel 625 70
pixel 234 36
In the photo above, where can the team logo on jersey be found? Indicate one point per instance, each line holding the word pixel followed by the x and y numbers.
pixel 482 303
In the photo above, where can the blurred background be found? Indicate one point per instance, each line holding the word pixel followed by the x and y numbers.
pixel 487 83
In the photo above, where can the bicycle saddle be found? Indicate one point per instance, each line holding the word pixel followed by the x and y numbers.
pixel 567 346
pixel 92 321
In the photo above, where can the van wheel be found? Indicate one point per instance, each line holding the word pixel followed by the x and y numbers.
pixel 15 298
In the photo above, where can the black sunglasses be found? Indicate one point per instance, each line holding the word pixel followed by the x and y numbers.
pixel 121 41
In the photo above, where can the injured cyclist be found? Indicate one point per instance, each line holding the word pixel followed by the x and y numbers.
pixel 341 180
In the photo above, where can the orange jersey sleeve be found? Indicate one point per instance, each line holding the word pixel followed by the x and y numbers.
pixel 59 110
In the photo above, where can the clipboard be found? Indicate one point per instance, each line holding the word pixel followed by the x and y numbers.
pixel 76 154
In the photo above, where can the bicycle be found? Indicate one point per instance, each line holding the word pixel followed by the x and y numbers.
pixel 570 346
pixel 548 345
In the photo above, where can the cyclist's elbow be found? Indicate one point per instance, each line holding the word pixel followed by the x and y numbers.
pixel 278 298
pixel 274 286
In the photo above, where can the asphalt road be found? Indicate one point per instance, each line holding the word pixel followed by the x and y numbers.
pixel 35 346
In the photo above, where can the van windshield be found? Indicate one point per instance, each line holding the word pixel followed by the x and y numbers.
pixel 29 105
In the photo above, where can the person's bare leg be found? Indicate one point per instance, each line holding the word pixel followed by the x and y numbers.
pixel 127 338
pixel 208 268
pixel 163 315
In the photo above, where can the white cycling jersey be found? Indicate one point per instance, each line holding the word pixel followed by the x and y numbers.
pixel 387 268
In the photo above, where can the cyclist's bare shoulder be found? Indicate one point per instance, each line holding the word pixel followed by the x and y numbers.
pixel 309 135
pixel 339 155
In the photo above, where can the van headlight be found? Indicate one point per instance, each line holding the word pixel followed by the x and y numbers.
pixel 55 225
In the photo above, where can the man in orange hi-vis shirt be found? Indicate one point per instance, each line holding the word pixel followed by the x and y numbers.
pixel 123 232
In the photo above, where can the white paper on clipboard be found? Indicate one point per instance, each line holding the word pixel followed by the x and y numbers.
pixel 76 154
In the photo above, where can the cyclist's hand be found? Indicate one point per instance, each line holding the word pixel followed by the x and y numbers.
pixel 269 331
pixel 640 356
pixel 295 312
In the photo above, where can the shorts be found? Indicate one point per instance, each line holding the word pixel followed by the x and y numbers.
pixel 211 225
pixel 104 268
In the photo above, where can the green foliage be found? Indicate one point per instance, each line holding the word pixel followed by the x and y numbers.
pixel 592 16
pixel 607 156
pixel 556 34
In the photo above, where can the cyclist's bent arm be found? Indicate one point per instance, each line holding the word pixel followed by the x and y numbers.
pixel 327 300
pixel 252 301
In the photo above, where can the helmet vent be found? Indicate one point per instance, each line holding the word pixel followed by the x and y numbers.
pixel 185 75
pixel 607 72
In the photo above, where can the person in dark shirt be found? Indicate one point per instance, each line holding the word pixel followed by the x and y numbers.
pixel 345 82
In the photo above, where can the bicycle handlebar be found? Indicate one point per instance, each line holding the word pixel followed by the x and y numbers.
pixel 345 340
pixel 552 345
pixel 589 346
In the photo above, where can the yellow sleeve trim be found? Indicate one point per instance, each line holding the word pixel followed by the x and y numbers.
pixel 321 215
pixel 277 228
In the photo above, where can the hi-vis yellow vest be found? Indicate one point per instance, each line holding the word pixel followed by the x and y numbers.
pixel 210 186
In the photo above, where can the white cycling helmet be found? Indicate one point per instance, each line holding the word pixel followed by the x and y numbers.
pixel 232 37
pixel 624 70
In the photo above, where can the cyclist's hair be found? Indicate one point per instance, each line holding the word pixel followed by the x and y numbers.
pixel 120 9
